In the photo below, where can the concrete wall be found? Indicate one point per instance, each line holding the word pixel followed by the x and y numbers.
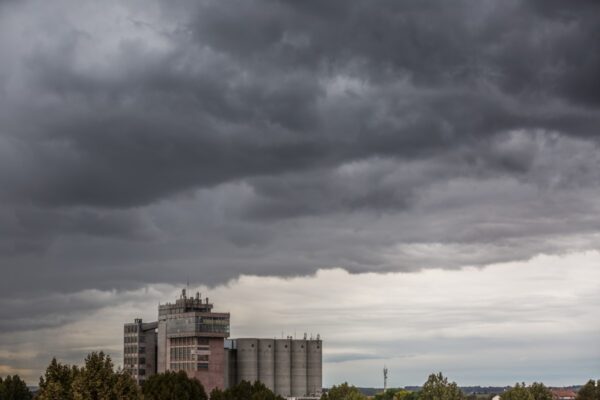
pixel 283 380
pixel 266 362
pixel 161 348
pixel 314 368
pixel 150 340
pixel 298 368
pixel 230 369
pixel 247 360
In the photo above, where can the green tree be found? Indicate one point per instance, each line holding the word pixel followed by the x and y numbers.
pixel 343 392
pixel 57 382
pixel 389 394
pixel 589 391
pixel 125 387
pixel 540 392
pixel 14 388
pixel 245 391
pixel 173 386
pixel 518 392
pixel 218 394
pixel 407 395
pixel 96 380
pixel 437 387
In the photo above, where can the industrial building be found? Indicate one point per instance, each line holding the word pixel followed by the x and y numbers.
pixel 289 367
pixel 139 351
pixel 190 337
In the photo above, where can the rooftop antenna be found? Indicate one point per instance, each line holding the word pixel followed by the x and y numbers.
pixel 385 376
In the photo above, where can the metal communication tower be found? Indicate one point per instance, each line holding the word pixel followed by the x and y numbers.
pixel 385 374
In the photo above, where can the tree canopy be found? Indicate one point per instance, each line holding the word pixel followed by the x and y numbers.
pixel 518 392
pixel 536 391
pixel 173 385
pixel 14 388
pixel 437 387
pixel 589 391
pixel 343 392
pixel 396 394
pixel 96 380
pixel 540 392
pixel 57 382
pixel 245 391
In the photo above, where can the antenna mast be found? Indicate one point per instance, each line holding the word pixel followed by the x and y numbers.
pixel 385 375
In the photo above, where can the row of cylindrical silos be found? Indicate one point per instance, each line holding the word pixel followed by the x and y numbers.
pixel 289 367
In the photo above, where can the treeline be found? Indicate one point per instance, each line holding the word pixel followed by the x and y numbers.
pixel 437 387
pixel 14 388
pixel 98 380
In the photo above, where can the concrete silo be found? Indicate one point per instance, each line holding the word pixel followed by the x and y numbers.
pixel 283 358
pixel 315 367
pixel 298 368
pixel 247 360
pixel 266 362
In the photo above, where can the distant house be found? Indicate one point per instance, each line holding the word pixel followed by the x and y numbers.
pixel 563 394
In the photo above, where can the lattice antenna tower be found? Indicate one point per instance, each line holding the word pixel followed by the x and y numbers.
pixel 385 376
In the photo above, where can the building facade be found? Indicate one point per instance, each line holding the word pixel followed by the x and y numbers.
pixel 190 337
pixel 139 349
pixel 289 367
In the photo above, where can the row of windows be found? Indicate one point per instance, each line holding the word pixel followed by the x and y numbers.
pixel 188 366
pixel 133 360
pixel 186 354
pixel 181 326
pixel 134 350
pixel 135 371
pixel 188 341
pixel 131 339
pixel 129 361
pixel 131 328
pixel 181 354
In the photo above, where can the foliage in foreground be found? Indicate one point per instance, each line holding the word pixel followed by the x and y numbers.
pixel 245 391
pixel 536 391
pixel 343 392
pixel 173 385
pixel 397 394
pixel 14 388
pixel 589 391
pixel 96 380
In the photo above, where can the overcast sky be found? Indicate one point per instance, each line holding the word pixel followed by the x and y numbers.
pixel 417 181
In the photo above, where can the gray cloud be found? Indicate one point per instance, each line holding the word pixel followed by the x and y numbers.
pixel 171 141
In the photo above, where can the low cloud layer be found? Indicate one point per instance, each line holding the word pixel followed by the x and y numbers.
pixel 152 142
pixel 522 320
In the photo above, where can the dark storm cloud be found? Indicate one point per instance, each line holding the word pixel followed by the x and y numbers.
pixel 160 142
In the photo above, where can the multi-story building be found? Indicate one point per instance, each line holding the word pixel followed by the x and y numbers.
pixel 139 349
pixel 190 337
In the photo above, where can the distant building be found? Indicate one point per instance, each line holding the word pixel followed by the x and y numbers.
pixel 139 349
pixel 190 337
pixel 563 394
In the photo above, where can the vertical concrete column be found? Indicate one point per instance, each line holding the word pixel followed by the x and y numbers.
pixel 298 370
pixel 247 360
pixel 162 359
pixel 315 368
pixel 266 362
pixel 283 361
